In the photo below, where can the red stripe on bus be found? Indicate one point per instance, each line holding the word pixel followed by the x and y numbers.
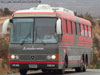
pixel 84 45
pixel 66 43
pixel 85 42
pixel 67 40
pixel 36 62
pixel 77 61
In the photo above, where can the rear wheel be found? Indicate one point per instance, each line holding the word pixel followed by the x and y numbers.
pixel 23 71
pixel 82 68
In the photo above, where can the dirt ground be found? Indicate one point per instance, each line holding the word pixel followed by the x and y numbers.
pixel 4 68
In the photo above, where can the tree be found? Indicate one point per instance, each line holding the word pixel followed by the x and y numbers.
pixel 6 11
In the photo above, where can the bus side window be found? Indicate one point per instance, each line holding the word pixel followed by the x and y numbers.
pixel 73 27
pixel 76 28
pixel 66 27
pixel 89 31
pixel 69 27
pixel 86 33
pixel 82 30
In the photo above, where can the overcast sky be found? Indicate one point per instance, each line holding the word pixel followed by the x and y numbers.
pixel 81 6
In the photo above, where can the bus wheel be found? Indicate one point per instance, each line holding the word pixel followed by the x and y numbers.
pixel 23 71
pixel 82 68
pixel 61 71
pixel 46 71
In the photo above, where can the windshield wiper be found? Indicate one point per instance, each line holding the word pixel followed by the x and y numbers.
pixel 23 41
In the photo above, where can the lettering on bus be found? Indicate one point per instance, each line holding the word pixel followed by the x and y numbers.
pixel 32 48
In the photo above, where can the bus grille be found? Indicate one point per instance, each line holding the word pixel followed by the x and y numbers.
pixel 33 57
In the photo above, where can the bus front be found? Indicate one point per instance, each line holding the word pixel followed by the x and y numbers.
pixel 34 42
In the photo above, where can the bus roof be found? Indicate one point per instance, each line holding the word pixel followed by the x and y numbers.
pixel 45 10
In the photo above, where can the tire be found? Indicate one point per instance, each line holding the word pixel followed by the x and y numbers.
pixel 82 68
pixel 46 71
pixel 61 71
pixel 23 72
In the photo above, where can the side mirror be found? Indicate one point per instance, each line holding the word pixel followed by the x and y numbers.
pixel 5 26
pixel 58 27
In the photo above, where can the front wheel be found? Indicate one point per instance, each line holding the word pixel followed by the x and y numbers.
pixel 61 71
pixel 23 72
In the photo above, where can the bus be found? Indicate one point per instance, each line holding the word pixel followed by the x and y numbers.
pixel 49 39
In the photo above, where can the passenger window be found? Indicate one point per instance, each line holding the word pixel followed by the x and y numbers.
pixel 79 29
pixel 82 30
pixel 73 27
pixel 69 27
pixel 86 33
pixel 66 27
pixel 76 28
pixel 89 31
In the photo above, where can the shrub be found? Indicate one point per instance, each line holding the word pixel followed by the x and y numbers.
pixel 5 12
pixel 98 65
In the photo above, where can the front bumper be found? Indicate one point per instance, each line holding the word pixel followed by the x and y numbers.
pixel 36 65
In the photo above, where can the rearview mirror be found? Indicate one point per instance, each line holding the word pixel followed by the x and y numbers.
pixel 5 26
pixel 58 27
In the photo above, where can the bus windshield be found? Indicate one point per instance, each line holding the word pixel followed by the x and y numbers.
pixel 45 30
pixel 33 30
pixel 22 30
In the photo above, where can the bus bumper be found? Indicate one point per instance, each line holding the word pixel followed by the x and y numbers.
pixel 36 65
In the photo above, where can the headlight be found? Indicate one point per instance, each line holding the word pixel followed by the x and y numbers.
pixel 53 57
pixel 13 56
pixel 48 57
pixel 17 57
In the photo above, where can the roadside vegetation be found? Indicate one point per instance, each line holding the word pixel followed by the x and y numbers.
pixel 4 42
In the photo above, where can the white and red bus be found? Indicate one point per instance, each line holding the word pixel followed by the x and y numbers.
pixel 50 39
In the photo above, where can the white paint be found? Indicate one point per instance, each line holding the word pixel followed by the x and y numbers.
pixel 58 27
pixel 44 7
pixel 64 10
pixel 5 26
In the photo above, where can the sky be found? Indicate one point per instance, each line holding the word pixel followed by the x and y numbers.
pixel 81 6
